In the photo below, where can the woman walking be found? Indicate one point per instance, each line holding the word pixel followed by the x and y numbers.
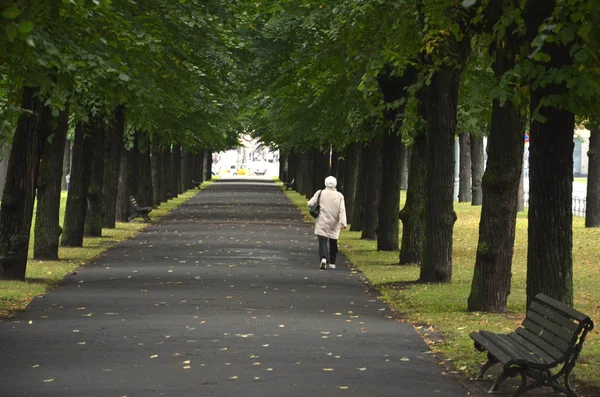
pixel 329 223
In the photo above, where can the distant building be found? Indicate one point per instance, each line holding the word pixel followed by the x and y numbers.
pixel 581 140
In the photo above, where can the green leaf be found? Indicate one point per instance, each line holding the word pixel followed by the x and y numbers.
pixel 11 32
pixel 26 26
pixel 468 3
pixel 11 13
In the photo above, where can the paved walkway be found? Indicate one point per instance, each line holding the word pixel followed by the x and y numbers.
pixel 222 297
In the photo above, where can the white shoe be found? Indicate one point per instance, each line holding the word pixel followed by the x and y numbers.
pixel 331 266
pixel 323 264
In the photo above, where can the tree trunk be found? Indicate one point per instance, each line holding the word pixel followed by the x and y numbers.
pixel 373 190
pixel 125 177
pixel 592 209
pixel 492 277
pixel 16 208
pixel 93 216
pixel 464 186
pixel 164 176
pixel 413 213
pixel 176 186
pixel 47 228
pixel 3 165
pixel 156 171
pixel 143 173
pixel 393 88
pixel 66 169
pixel 322 170
pixel 207 164
pixel 550 234
pixel 477 168
pixel 358 213
pixel 73 225
pixel 441 105
pixel 112 163
pixel 405 168
pixel 350 178
pixel 184 170
pixel 200 165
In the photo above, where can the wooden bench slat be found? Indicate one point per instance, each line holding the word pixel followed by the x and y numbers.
pixel 548 359
pixel 564 308
pixel 546 335
pixel 540 343
pixel 547 324
pixel 526 355
pixel 481 338
pixel 516 351
pixel 565 321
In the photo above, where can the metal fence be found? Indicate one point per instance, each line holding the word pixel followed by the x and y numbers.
pixel 578 205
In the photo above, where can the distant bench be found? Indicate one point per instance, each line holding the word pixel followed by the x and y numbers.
pixel 196 184
pixel 289 185
pixel 135 211
pixel 552 334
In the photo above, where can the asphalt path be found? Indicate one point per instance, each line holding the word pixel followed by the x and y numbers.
pixel 221 297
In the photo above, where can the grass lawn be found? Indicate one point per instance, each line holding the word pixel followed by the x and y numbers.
pixel 439 310
pixel 44 275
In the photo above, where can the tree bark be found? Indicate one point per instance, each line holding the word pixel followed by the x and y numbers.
pixel 592 209
pixel 550 234
pixel 442 101
pixel 413 213
pixel 112 163
pixel 66 169
pixel 156 171
pixel 47 228
pixel 350 178
pixel 405 168
pixel 393 88
pixel 176 186
pixel 93 216
pixel 492 277
pixel 16 208
pixel 373 190
pixel 207 164
pixel 184 170
pixel 164 175
pixel 74 221
pixel 464 186
pixel 3 165
pixel 358 213
pixel 122 210
pixel 143 172
pixel 477 168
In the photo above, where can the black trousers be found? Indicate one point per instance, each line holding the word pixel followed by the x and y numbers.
pixel 328 249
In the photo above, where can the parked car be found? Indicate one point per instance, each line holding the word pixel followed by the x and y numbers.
pixel 259 168
pixel 234 170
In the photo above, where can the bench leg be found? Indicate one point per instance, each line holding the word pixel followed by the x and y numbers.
pixel 146 218
pixel 490 362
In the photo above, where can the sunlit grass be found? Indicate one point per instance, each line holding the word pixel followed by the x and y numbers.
pixel 43 275
pixel 442 307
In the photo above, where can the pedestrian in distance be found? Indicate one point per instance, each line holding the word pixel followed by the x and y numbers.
pixel 330 221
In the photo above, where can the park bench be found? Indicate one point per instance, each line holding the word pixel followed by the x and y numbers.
pixel 289 185
pixel 550 336
pixel 135 211
pixel 196 184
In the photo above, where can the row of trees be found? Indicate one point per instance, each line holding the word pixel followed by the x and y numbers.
pixel 371 78
pixel 144 89
pixel 367 78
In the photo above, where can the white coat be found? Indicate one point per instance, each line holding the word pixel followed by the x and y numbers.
pixel 332 215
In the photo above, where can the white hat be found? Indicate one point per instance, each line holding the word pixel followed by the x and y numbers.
pixel 330 181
